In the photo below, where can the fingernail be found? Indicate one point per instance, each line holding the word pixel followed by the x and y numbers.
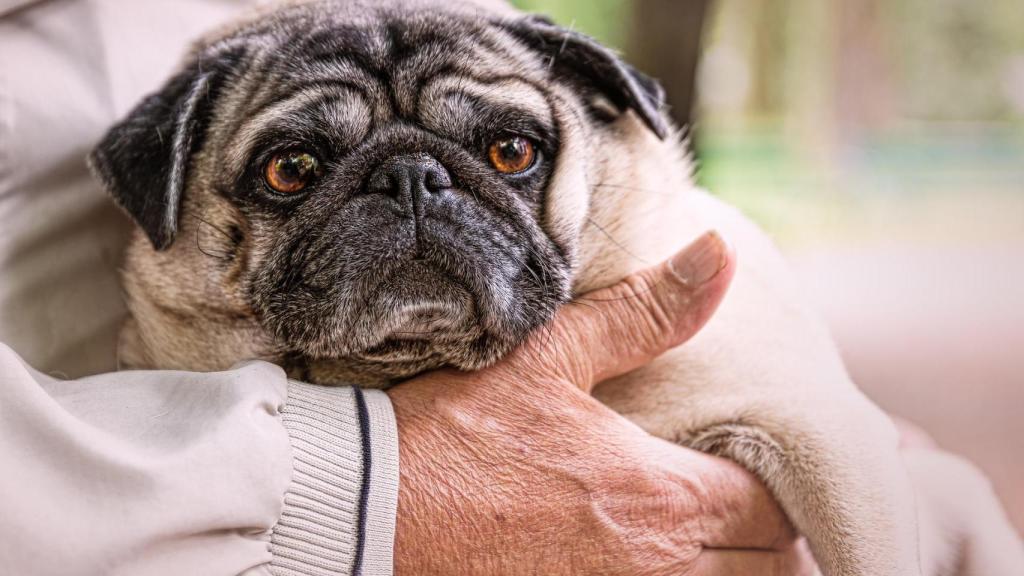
pixel 701 261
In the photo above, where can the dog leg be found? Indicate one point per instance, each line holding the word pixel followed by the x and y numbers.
pixel 854 510
pixel 837 475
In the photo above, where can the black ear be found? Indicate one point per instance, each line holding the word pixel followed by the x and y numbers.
pixel 621 83
pixel 143 160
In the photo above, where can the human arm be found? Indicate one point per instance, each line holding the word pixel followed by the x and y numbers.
pixel 185 473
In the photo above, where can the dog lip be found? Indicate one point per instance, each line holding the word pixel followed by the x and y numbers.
pixel 421 320
pixel 391 350
pixel 416 304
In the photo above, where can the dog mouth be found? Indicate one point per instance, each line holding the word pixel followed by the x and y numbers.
pixel 423 320
pixel 412 311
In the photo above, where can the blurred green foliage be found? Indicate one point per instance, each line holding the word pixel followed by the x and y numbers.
pixel 607 20
pixel 951 55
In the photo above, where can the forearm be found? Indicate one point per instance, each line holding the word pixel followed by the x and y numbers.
pixel 185 473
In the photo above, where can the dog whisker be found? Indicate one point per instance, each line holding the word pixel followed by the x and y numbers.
pixel 614 241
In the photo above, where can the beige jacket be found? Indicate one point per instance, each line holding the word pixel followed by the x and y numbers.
pixel 139 473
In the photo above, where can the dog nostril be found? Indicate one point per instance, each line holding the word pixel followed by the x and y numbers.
pixel 437 179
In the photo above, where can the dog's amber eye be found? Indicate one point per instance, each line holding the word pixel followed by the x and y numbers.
pixel 290 172
pixel 512 155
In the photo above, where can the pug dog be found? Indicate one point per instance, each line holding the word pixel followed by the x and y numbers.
pixel 362 190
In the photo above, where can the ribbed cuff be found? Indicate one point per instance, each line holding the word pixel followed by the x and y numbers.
pixel 339 511
pixel 382 501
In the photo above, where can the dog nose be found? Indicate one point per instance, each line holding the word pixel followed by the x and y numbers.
pixel 409 179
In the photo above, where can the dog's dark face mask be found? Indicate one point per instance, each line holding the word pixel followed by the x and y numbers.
pixel 387 174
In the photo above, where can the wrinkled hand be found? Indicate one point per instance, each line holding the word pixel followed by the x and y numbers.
pixel 517 470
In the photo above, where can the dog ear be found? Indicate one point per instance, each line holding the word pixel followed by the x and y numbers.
pixel 626 87
pixel 142 161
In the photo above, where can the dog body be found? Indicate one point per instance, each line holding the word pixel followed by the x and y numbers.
pixel 406 250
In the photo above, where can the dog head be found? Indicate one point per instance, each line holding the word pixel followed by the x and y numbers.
pixel 376 187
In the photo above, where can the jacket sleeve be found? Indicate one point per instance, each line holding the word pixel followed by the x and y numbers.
pixel 235 472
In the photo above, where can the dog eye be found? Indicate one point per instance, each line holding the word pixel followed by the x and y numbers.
pixel 290 172
pixel 512 155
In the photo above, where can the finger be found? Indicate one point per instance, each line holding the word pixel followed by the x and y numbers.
pixel 794 561
pixel 742 513
pixel 611 331
pixel 736 509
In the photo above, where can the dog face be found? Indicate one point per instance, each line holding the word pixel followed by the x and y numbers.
pixel 366 190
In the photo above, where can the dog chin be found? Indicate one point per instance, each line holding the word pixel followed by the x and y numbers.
pixel 403 354
pixel 417 331
pixel 417 304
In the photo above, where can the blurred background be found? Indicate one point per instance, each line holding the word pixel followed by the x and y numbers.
pixel 881 142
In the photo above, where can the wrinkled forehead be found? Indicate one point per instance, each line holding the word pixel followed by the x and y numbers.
pixel 430 68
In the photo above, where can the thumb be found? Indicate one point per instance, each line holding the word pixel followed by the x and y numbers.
pixel 611 331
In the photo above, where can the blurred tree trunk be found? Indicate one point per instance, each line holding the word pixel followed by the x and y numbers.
pixel 864 101
pixel 666 43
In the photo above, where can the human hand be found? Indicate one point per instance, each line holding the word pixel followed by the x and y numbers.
pixel 516 469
